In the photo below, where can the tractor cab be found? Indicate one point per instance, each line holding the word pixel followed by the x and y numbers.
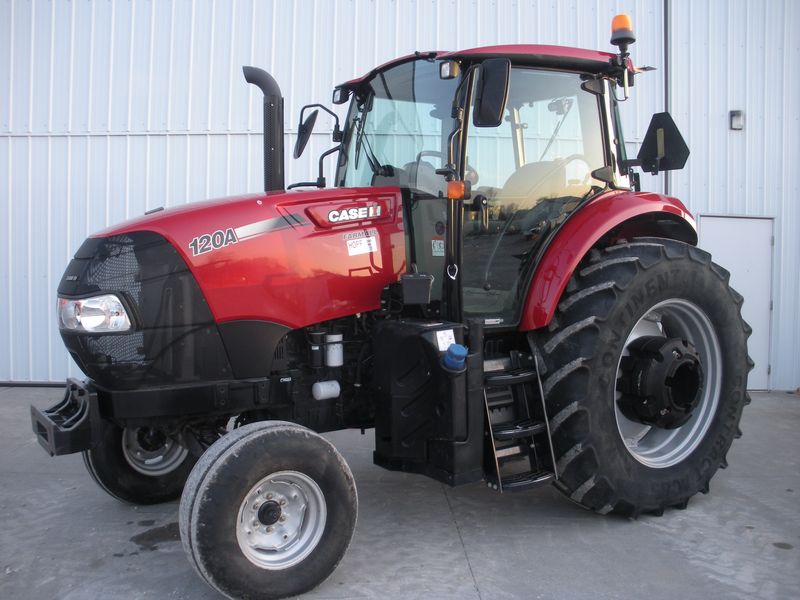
pixel 531 132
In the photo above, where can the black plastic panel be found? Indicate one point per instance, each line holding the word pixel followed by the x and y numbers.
pixel 251 346
pixel 219 397
pixel 426 420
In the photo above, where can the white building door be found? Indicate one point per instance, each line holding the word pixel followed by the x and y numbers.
pixel 744 247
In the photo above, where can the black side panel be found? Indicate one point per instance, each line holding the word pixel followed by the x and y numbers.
pixel 251 346
pixel 220 397
pixel 174 340
pixel 426 421
pixel 409 386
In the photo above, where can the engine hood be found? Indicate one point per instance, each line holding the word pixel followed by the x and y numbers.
pixel 293 258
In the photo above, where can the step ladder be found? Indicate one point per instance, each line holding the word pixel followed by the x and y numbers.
pixel 520 453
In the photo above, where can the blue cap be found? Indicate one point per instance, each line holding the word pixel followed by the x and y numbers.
pixel 455 357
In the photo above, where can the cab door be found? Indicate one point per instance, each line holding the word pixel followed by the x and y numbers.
pixel 532 170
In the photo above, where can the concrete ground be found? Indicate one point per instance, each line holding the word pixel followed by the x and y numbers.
pixel 62 537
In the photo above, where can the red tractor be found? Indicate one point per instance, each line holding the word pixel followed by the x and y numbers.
pixel 484 285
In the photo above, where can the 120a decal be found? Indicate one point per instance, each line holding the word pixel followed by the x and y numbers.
pixel 212 241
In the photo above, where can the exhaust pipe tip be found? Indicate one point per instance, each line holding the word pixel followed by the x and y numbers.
pixel 263 80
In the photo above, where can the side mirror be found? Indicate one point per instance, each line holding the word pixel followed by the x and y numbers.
pixel 304 133
pixel 663 147
pixel 492 92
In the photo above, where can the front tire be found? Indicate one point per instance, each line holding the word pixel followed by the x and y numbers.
pixel 139 465
pixel 630 452
pixel 268 511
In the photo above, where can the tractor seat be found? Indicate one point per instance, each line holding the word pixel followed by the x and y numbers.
pixel 422 176
pixel 534 182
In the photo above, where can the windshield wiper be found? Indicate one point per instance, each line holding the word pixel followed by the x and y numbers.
pixel 362 142
pixel 374 163
pixel 557 106
pixel 361 137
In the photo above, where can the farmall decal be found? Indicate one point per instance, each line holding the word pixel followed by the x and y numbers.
pixel 354 214
pixel 361 242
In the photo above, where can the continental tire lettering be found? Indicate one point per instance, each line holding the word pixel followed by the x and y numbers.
pixel 212 241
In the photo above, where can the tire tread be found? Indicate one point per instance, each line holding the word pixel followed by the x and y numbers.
pixel 604 274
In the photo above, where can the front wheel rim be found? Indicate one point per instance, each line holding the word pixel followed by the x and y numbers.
pixel 151 459
pixel 281 520
pixel 662 448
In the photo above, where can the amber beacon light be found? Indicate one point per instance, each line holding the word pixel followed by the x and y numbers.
pixel 622 32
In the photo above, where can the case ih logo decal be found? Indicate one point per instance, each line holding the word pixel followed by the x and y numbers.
pixel 354 214
pixel 349 212
pixel 212 241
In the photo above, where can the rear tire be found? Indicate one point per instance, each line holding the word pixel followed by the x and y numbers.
pixel 268 511
pixel 608 460
pixel 156 475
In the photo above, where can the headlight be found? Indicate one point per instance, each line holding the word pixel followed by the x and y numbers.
pixel 100 314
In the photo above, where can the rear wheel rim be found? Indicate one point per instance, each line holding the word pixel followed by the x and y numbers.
pixel 291 528
pixel 151 459
pixel 661 448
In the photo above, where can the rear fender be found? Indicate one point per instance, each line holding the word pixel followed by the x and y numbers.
pixel 605 219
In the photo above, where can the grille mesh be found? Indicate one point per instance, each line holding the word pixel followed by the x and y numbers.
pixel 175 339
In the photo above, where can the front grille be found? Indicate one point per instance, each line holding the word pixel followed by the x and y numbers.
pixel 117 266
pixel 175 339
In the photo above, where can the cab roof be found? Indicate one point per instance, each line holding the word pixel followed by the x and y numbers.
pixel 564 57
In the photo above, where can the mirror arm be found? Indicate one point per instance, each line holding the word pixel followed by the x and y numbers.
pixel 631 162
pixel 457 114
pixel 451 174
pixel 653 168
pixel 337 132
pixel 320 177
pixel 320 182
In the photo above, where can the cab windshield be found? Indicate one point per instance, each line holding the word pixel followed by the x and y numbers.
pixel 397 128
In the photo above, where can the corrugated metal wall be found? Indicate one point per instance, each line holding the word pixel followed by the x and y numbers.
pixel 108 109
pixel 740 55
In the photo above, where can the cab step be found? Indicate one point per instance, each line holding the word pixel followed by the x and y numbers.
pixel 512 377
pixel 515 431
pixel 519 452
pixel 522 481
pixel 499 398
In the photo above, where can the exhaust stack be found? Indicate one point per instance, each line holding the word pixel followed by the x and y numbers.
pixel 273 126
